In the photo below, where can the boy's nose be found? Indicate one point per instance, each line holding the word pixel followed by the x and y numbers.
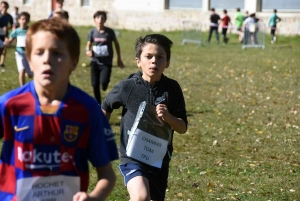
pixel 46 58
pixel 153 59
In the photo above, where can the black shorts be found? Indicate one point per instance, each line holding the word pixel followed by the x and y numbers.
pixel 2 38
pixel 158 178
pixel 100 74
pixel 273 29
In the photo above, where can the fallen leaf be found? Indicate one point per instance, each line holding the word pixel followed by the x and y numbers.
pixel 195 185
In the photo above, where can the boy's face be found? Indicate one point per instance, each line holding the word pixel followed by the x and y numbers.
pixel 4 7
pixel 59 4
pixel 153 61
pixel 23 21
pixel 99 20
pixel 50 61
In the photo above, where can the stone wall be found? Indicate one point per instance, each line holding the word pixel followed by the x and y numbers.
pixel 171 20
pixel 154 20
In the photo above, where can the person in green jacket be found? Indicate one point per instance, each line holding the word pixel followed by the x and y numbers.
pixel 239 19
pixel 273 20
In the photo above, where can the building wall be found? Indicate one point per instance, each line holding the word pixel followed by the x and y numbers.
pixel 148 15
pixel 38 10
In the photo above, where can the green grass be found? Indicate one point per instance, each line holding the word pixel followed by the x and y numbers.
pixel 243 110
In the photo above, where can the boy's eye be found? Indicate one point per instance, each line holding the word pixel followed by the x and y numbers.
pixel 56 52
pixel 39 52
pixel 149 56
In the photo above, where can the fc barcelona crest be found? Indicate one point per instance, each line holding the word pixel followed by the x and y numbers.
pixel 71 133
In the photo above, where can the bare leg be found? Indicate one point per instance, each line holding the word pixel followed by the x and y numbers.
pixel 138 189
pixel 22 77
pixel 2 58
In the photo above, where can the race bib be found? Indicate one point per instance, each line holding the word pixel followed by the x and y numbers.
pixel 252 28
pixel 52 188
pixel 146 148
pixel 21 41
pixel 100 51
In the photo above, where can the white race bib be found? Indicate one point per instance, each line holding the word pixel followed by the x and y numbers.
pixel 146 148
pixel 52 188
pixel 100 51
pixel 252 28
pixel 21 41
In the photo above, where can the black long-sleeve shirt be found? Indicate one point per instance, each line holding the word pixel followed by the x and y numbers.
pixel 129 93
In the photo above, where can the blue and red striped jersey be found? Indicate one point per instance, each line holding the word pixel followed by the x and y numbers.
pixel 51 140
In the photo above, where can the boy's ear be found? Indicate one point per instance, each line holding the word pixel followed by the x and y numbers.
pixel 168 63
pixel 75 62
pixel 138 63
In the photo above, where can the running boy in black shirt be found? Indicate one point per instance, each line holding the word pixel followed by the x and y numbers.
pixel 153 108
pixel 99 49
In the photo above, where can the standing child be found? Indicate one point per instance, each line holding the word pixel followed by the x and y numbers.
pixel 225 24
pixel 214 25
pixel 99 49
pixel 20 35
pixel 251 29
pixel 273 20
pixel 153 108
pixel 239 19
pixel 51 129
pixel 15 16
pixel 6 22
pixel 59 5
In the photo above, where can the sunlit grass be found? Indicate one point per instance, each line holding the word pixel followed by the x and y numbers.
pixel 243 108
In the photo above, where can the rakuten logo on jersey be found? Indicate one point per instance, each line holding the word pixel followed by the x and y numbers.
pixel 37 160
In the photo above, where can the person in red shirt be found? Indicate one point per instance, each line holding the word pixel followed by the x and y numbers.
pixel 225 24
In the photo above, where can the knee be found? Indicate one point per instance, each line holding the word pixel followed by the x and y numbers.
pixel 140 197
pixel 104 86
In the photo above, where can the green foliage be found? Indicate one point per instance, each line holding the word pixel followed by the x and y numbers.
pixel 243 137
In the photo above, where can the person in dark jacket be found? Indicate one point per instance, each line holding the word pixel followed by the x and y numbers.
pixel 214 25
pixel 153 108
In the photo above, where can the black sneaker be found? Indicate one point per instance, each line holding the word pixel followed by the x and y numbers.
pixel 2 65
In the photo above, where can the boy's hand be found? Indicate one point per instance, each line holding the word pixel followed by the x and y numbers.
pixel 162 111
pixel 81 196
pixel 120 63
pixel 89 53
pixel 6 42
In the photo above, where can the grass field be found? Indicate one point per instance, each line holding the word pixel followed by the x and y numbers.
pixel 243 109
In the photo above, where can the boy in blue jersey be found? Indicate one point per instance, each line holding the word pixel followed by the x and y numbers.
pixel 153 108
pixel 20 35
pixel 273 20
pixel 51 129
pixel 99 49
